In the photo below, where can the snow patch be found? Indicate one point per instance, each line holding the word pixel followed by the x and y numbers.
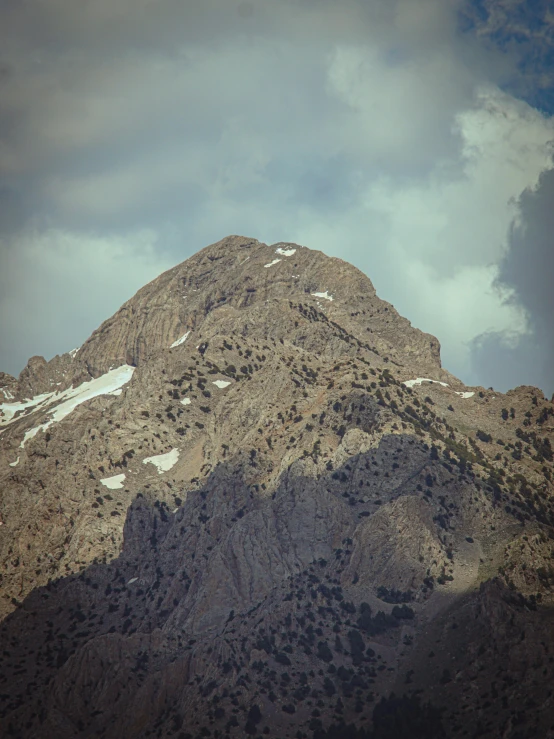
pixel 185 401
pixel 285 252
pixel 60 405
pixel 7 394
pixel 8 410
pixel 32 432
pixel 272 263
pixel 114 482
pixel 163 462
pixel 180 341
pixel 465 395
pixel 419 380
pixel 133 579
pixel 14 464
pixel 221 383
pixel 73 352
pixel 323 295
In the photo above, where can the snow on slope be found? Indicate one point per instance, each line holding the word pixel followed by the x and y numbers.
pixel 8 410
pixel 59 405
pixel 323 295
pixel 221 383
pixel 163 462
pixel 419 380
pixel 180 341
pixel 115 482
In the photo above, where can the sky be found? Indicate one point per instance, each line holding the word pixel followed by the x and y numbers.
pixel 413 138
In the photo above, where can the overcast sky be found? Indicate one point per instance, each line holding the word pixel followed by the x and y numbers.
pixel 413 138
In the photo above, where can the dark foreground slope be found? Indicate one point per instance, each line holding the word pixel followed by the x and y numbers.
pixel 324 546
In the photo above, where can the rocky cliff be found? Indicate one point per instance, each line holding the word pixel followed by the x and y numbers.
pixel 253 503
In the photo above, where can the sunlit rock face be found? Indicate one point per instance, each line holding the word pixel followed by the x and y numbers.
pixel 254 503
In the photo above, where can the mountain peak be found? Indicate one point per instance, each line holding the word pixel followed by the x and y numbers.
pixel 239 278
pixel 254 498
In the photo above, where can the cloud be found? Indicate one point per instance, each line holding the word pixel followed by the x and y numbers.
pixel 378 132
pixel 528 265
pixel 504 360
pixel 55 286
pixel 433 245
pixel 525 273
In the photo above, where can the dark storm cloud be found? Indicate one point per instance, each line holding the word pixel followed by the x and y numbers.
pixel 527 272
pixel 504 361
pixel 528 266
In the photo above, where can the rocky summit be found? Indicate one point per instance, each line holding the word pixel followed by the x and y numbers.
pixel 253 503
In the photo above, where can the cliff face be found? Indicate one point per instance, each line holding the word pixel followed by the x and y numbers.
pixel 238 505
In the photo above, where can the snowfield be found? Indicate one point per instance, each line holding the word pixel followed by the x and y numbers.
pixel 60 405
pixel 163 462
pixel 419 380
pixel 180 341
pixel 8 410
pixel 221 383
pixel 323 295
pixel 114 482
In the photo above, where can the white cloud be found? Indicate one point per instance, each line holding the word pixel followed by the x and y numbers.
pixel 432 244
pixel 56 287
pixel 372 131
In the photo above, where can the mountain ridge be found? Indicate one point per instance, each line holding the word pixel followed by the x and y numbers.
pixel 246 442
pixel 129 348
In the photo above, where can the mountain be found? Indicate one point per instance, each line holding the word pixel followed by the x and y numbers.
pixel 253 503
